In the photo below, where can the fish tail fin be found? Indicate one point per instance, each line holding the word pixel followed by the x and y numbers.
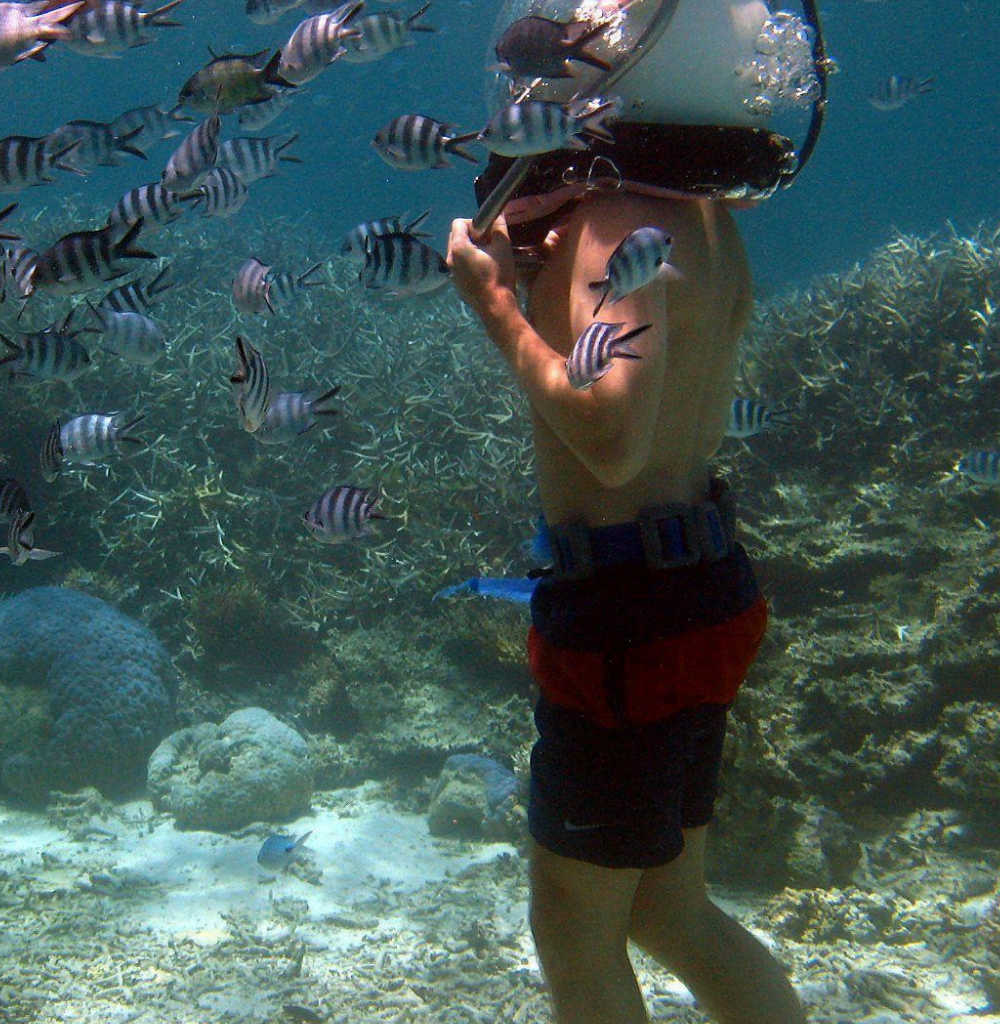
pixel 456 142
pixel 57 159
pixel 272 72
pixel 318 406
pixel 125 249
pixel 4 214
pixel 580 35
pixel 592 124
pixel 95 312
pixel 622 348
pixel 15 350
pixel 411 228
pixel 278 150
pixel 411 21
pixel 124 428
pixel 175 113
pixel 48 26
pixel 123 143
pixel 242 355
pixel 159 284
pixel 158 18
pixel 303 279
pixel 925 84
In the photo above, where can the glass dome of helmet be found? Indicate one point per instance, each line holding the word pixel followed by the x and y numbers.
pixel 697 73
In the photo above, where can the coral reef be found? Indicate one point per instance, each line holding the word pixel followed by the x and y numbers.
pixel 878 559
pixel 108 688
pixel 476 797
pixel 250 768
pixel 236 627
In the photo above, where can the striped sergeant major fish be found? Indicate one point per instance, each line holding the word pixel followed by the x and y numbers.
pixel 640 258
pixel 983 467
pixel 259 115
pixel 26 29
pixel 267 12
pixel 153 204
pixel 154 124
pixel 83 259
pixel 317 42
pixel 353 243
pixel 21 540
pixel 221 194
pixel 133 337
pixel 52 354
pixel 377 35
pixel 896 91
pixel 342 514
pixel 51 456
pixel 13 498
pixel 251 386
pixel 93 438
pixel 194 157
pixel 252 159
pixel 295 412
pixel 137 297
pixel 401 265
pixel 19 264
pixel 541 126
pixel 106 27
pixel 595 349
pixel 748 417
pixel 26 161
pixel 4 214
pixel 536 47
pixel 233 80
pixel 413 142
pixel 284 287
pixel 97 144
pixel 252 288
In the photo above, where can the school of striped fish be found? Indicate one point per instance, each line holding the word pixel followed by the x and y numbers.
pixel 212 176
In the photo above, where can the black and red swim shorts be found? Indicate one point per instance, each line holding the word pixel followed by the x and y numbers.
pixel 637 670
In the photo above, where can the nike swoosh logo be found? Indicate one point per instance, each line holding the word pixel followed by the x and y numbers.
pixel 570 827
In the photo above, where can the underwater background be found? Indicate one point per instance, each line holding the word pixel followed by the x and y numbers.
pixel 863 763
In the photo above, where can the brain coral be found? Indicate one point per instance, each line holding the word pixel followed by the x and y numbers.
pixel 109 686
pixel 251 767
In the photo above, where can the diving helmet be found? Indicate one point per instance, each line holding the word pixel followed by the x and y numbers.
pixel 696 103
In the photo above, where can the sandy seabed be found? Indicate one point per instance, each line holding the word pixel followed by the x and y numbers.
pixel 122 918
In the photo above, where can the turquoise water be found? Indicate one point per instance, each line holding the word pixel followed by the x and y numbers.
pixel 874 172
pixel 863 763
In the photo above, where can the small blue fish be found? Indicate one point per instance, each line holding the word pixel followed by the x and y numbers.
pixel 516 589
pixel 278 851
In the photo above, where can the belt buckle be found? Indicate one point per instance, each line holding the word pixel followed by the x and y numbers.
pixel 572 539
pixel 693 528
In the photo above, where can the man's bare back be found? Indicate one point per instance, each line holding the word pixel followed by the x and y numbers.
pixel 698 320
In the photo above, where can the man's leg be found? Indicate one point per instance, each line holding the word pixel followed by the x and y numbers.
pixel 580 919
pixel 732 976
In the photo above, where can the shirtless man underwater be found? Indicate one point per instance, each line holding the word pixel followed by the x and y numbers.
pixel 645 631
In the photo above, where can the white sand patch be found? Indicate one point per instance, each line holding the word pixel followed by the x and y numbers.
pixel 181 883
